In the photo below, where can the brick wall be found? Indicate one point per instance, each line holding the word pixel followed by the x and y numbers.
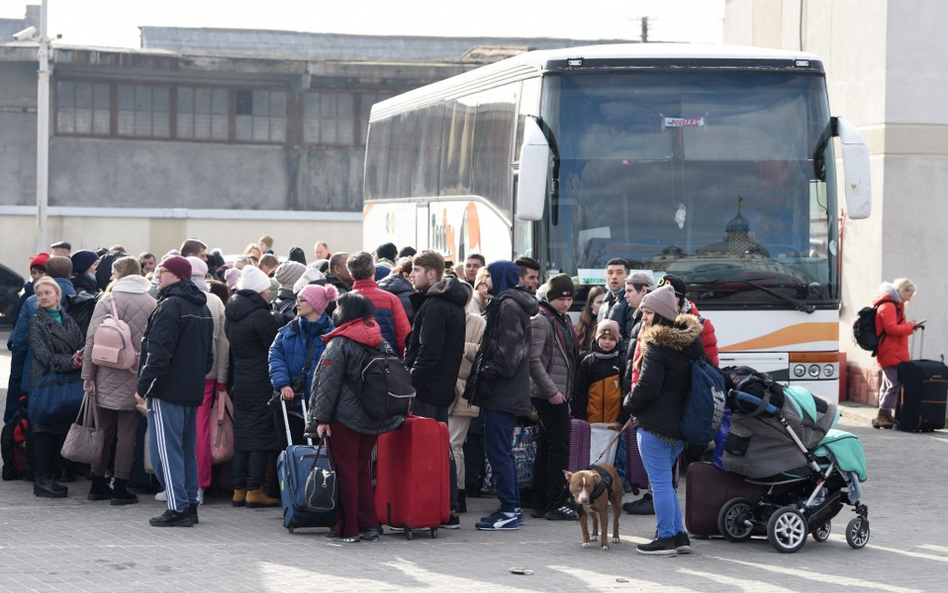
pixel 863 384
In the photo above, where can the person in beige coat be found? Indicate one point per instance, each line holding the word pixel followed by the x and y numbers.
pixel 460 412
pixel 114 389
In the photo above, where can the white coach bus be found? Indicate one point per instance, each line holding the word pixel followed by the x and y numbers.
pixel 714 163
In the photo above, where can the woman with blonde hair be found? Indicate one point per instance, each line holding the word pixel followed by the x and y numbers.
pixel 113 390
pixel 894 330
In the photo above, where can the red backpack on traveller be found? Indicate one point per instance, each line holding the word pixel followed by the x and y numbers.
pixel 113 346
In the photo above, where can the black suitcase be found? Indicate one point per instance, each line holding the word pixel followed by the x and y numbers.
pixel 921 406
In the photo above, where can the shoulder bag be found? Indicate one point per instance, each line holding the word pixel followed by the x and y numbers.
pixel 322 492
pixel 85 440
pixel 56 398
pixel 222 429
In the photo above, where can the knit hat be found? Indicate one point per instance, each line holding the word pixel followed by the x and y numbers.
pixel 288 273
pixel 608 327
pixel 318 296
pixel 381 271
pixel 82 260
pixel 58 266
pixel 253 279
pixel 387 251
pixel 662 301
pixel 39 261
pixel 559 286
pixel 232 277
pixel 199 273
pixel 178 266
pixel 676 283
pixel 641 279
pixel 298 255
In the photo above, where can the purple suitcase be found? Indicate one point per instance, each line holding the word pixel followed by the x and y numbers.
pixel 635 470
pixel 578 444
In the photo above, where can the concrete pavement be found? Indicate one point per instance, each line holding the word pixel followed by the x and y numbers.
pixel 77 545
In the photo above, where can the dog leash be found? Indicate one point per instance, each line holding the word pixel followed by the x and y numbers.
pixel 614 439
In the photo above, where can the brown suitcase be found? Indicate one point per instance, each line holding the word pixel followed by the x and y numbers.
pixel 707 489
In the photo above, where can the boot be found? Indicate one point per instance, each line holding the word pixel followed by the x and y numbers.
pixel 100 489
pixel 121 495
pixel 257 498
pixel 240 497
pixel 884 419
pixel 47 487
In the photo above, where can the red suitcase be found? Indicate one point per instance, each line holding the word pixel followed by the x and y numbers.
pixel 578 444
pixel 708 488
pixel 413 476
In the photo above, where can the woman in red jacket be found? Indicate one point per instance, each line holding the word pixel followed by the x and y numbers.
pixel 893 331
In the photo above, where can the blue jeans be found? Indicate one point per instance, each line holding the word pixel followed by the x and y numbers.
pixel 659 457
pixel 498 430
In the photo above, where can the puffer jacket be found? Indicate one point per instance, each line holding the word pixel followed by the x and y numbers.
pixel 890 319
pixel 221 345
pixel 599 387
pixel 334 397
pixel 658 399
pixel 398 285
pixel 436 347
pixel 389 313
pixel 115 388
pixel 250 330
pixel 708 338
pixel 53 345
pixel 500 379
pixel 474 326
pixel 177 347
pixel 552 363
pixel 290 349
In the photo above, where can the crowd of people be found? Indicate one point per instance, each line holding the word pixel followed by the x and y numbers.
pixel 482 341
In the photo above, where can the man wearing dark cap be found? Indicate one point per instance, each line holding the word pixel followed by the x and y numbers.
pixel 176 354
pixel 62 248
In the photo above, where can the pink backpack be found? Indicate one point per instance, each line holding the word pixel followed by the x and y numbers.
pixel 113 346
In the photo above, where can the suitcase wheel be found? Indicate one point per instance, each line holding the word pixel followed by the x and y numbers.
pixel 434 533
pixel 408 534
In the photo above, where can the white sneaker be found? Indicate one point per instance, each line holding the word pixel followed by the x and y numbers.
pixel 162 496
pixel 200 496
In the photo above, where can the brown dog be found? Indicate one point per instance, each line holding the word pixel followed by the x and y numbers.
pixel 591 492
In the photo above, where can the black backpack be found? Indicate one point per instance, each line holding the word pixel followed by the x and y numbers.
pixel 864 329
pixel 386 390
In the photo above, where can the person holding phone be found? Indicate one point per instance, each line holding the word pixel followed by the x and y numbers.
pixel 893 330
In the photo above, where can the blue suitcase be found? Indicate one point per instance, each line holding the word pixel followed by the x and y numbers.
pixel 293 467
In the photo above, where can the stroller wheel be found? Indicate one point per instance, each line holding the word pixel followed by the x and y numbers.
pixel 786 530
pixel 857 533
pixel 732 520
pixel 822 532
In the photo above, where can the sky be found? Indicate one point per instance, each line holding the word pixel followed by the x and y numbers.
pixel 114 23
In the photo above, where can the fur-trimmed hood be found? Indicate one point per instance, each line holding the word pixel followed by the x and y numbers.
pixel 680 337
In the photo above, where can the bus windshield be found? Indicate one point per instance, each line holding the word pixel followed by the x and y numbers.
pixel 723 178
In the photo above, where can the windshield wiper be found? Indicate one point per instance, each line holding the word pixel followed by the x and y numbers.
pixel 797 303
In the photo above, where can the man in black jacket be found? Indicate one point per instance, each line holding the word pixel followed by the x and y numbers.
pixel 436 347
pixel 500 384
pixel 175 356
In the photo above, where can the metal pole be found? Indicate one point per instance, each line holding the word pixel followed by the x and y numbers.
pixel 42 135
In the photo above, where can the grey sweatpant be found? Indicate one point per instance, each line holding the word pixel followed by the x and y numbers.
pixel 172 443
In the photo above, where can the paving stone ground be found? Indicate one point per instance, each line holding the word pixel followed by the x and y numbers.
pixel 77 545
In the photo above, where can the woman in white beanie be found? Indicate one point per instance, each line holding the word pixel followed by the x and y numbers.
pixel 250 329
pixel 669 344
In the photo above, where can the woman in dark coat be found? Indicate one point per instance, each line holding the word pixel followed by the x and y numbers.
pixel 250 329
pixel 670 342
pixel 56 342
pixel 336 410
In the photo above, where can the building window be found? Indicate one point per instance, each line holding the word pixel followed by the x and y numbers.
pixel 260 116
pixel 143 111
pixel 203 114
pixel 83 108
pixel 329 118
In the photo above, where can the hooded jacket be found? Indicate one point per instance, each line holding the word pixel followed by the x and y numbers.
pixel 500 379
pixel 398 285
pixel 250 330
pixel 389 313
pixel 177 346
pixel 437 341
pixel 890 319
pixel 290 349
pixel 115 388
pixel 658 399
pixel 600 386
pixel 335 396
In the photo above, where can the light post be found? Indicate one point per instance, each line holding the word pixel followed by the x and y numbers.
pixel 42 134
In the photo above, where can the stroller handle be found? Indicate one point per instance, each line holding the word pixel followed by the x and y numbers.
pixel 753 402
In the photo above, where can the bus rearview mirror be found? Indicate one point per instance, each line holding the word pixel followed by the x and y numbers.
pixel 535 158
pixel 856 172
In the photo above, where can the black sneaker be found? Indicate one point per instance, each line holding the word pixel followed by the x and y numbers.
pixel 642 506
pixel 453 522
pixel 172 519
pixel 563 513
pixel 193 513
pixel 682 543
pixel 499 521
pixel 371 534
pixel 660 546
pixel 538 513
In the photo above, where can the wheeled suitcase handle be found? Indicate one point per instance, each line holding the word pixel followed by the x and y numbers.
pixel 286 421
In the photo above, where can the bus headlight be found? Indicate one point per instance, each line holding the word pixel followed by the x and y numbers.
pixel 799 370
pixel 828 370
pixel 814 370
